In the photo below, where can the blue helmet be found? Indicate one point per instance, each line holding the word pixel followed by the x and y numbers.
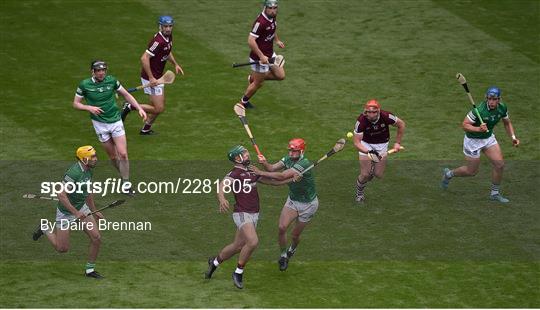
pixel 493 91
pixel 165 20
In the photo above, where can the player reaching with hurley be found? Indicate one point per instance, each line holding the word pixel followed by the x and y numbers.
pixel 302 202
pixel 371 138
pixel 99 93
pixel 243 184
pixel 76 206
pixel 153 61
pixel 479 137
pixel 261 42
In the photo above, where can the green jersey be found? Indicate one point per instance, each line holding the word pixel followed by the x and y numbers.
pixel 102 95
pixel 80 178
pixel 490 117
pixel 304 190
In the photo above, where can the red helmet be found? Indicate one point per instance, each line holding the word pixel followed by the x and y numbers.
pixel 297 144
pixel 372 104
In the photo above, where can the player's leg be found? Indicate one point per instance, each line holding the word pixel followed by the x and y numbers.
pixel 249 235
pixel 495 155
pixel 59 239
pixel 366 175
pixel 92 231
pixel 120 145
pixel 287 216
pixel 379 168
pixel 230 249
pixel 104 134
pixel 276 72
pixel 258 80
pixel 471 150
pixel 306 211
pixel 110 149
pixel 157 107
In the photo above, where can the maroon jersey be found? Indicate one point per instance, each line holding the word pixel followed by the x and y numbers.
pixel 264 30
pixel 378 131
pixel 159 49
pixel 245 192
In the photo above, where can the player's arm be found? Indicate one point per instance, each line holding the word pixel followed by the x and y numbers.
pixel 280 176
pixel 255 48
pixel 63 198
pixel 223 202
pixel 145 62
pixel 400 124
pixel 134 104
pixel 271 167
pixel 468 124
pixel 278 41
pixel 510 131
pixel 91 204
pixel 177 67
pixel 357 140
pixel 78 105
pixel 269 181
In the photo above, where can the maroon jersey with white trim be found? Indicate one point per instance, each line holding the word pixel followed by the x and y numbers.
pixel 245 192
pixel 378 131
pixel 159 49
pixel 264 29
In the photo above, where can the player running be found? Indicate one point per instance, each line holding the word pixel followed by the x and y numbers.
pixel 75 206
pixel 99 92
pixel 153 61
pixel 480 138
pixel 302 202
pixel 243 183
pixel 261 42
pixel 371 136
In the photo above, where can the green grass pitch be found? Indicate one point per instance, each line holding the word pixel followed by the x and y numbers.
pixel 411 245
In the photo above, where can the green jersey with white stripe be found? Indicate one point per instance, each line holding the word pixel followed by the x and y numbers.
pixel 102 95
pixel 81 178
pixel 490 117
pixel 303 190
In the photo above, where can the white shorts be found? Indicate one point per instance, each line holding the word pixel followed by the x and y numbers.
pixel 382 148
pixel 154 90
pixel 306 210
pixel 105 131
pixel 63 225
pixel 260 68
pixel 473 147
pixel 241 218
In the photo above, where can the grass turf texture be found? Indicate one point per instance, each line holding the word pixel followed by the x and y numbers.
pixel 412 246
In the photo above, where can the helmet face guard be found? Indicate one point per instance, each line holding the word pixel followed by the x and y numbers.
pixel 236 151
pixel 297 145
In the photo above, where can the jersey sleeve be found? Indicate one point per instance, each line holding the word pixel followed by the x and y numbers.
pixel 80 92
pixel 389 118
pixel 359 127
pixel 472 116
pixel 504 110
pixel 117 84
pixel 71 176
pixel 256 29
pixel 153 47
